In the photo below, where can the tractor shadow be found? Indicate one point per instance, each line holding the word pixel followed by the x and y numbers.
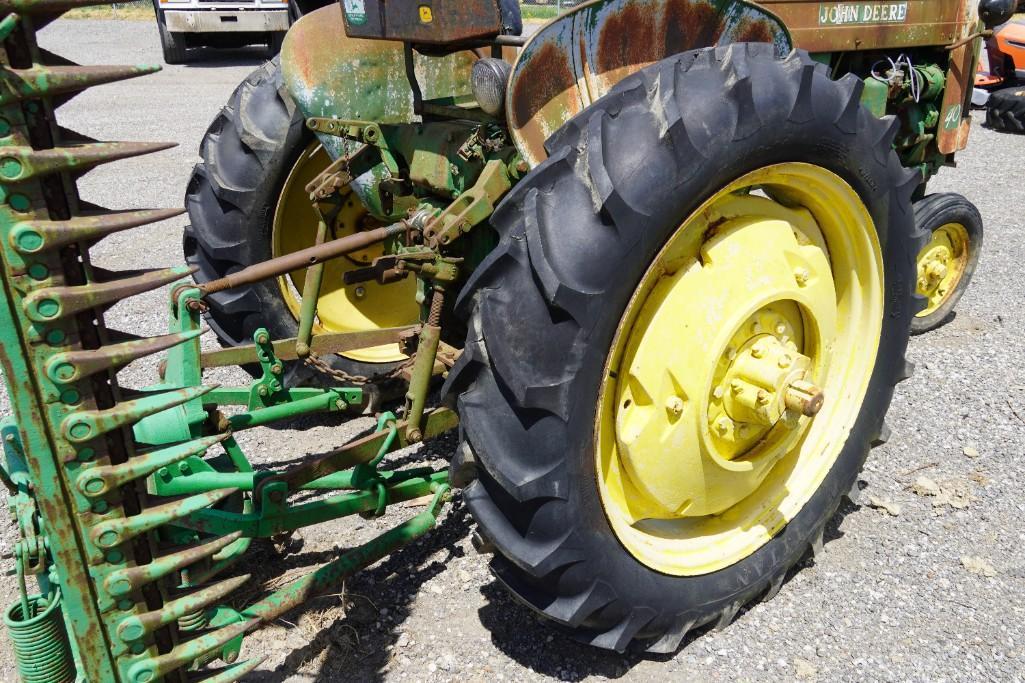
pixel 545 648
pixel 352 635
pixel 215 58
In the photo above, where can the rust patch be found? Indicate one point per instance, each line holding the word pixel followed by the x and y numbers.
pixel 754 31
pixel 687 25
pixel 544 77
pixel 635 37
pixel 627 37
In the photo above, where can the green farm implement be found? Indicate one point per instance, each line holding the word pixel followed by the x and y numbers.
pixel 657 262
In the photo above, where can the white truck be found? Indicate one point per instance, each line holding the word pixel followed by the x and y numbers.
pixel 221 23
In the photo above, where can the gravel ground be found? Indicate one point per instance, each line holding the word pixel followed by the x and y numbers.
pixel 926 583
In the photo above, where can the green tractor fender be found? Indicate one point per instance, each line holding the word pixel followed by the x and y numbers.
pixel 577 58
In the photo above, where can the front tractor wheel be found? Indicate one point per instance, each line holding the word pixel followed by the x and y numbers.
pixel 946 264
pixel 712 279
pixel 247 203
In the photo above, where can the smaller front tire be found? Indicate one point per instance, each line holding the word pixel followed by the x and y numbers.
pixel 946 264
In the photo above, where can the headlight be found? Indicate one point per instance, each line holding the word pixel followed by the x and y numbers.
pixel 488 82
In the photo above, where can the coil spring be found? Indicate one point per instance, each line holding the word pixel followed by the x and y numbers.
pixel 193 621
pixel 40 642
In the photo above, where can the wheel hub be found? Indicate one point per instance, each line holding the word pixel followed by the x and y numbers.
pixel 941 265
pixel 764 380
pixel 933 269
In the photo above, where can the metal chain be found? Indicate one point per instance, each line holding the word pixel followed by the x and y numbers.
pixel 320 365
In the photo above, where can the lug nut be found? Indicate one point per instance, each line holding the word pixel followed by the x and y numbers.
pixel 763 397
pixel 784 361
pixel 801 275
pixel 675 406
pixel 722 425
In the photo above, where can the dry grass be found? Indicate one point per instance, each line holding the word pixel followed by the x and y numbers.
pixel 130 11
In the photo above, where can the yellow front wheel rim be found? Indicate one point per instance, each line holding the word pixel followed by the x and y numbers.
pixel 765 300
pixel 941 266
pixel 353 308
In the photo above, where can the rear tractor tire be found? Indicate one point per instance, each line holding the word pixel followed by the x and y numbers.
pixel 711 279
pixel 247 204
pixel 948 261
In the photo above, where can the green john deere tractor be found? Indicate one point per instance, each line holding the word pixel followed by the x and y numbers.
pixel 661 258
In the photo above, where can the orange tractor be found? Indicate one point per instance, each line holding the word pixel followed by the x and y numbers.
pixel 1000 82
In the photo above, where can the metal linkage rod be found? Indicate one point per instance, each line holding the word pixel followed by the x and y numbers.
pixel 304 258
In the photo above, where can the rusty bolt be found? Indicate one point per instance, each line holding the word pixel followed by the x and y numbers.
pixel 414 436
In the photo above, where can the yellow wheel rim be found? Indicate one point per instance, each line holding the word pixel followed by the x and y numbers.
pixel 341 308
pixel 941 265
pixel 766 299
